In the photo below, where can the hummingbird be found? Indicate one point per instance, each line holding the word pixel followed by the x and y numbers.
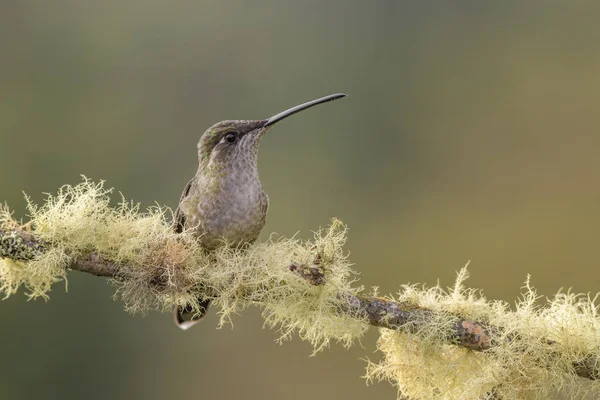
pixel 224 203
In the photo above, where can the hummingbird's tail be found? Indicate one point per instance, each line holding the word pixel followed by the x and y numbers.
pixel 185 318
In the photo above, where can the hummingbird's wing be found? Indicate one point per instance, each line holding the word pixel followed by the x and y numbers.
pixel 184 318
pixel 179 217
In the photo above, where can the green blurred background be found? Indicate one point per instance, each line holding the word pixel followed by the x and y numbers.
pixel 470 133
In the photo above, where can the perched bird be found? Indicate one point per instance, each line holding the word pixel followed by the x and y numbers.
pixel 225 202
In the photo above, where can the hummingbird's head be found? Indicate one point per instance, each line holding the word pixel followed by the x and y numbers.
pixel 227 142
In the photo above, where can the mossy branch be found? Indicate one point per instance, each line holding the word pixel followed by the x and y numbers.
pixel 19 245
pixel 437 343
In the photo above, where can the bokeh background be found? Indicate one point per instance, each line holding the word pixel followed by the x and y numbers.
pixel 470 133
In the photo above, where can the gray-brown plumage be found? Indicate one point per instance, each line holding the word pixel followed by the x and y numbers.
pixel 225 202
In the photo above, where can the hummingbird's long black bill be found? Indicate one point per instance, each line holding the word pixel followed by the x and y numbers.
pixel 284 114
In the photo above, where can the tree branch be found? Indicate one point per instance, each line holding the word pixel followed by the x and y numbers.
pixel 20 245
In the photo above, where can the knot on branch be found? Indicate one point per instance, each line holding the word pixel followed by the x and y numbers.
pixel 472 335
pixel 315 275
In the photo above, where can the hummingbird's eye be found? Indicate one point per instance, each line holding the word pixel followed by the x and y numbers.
pixel 231 137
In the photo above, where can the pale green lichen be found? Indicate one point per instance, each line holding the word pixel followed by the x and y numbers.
pixel 262 275
pixel 12 245
pixel 532 357
pixel 28 266
pixel 533 353
pixel 6 219
pixel 164 268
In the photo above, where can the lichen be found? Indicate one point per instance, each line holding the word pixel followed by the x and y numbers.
pixel 532 356
pixel 535 346
pixel 264 275
pixel 12 245
pixel 164 268
pixel 6 219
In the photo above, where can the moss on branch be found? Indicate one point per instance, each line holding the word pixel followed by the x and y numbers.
pixel 436 343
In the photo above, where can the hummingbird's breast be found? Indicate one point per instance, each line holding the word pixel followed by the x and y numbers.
pixel 230 207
